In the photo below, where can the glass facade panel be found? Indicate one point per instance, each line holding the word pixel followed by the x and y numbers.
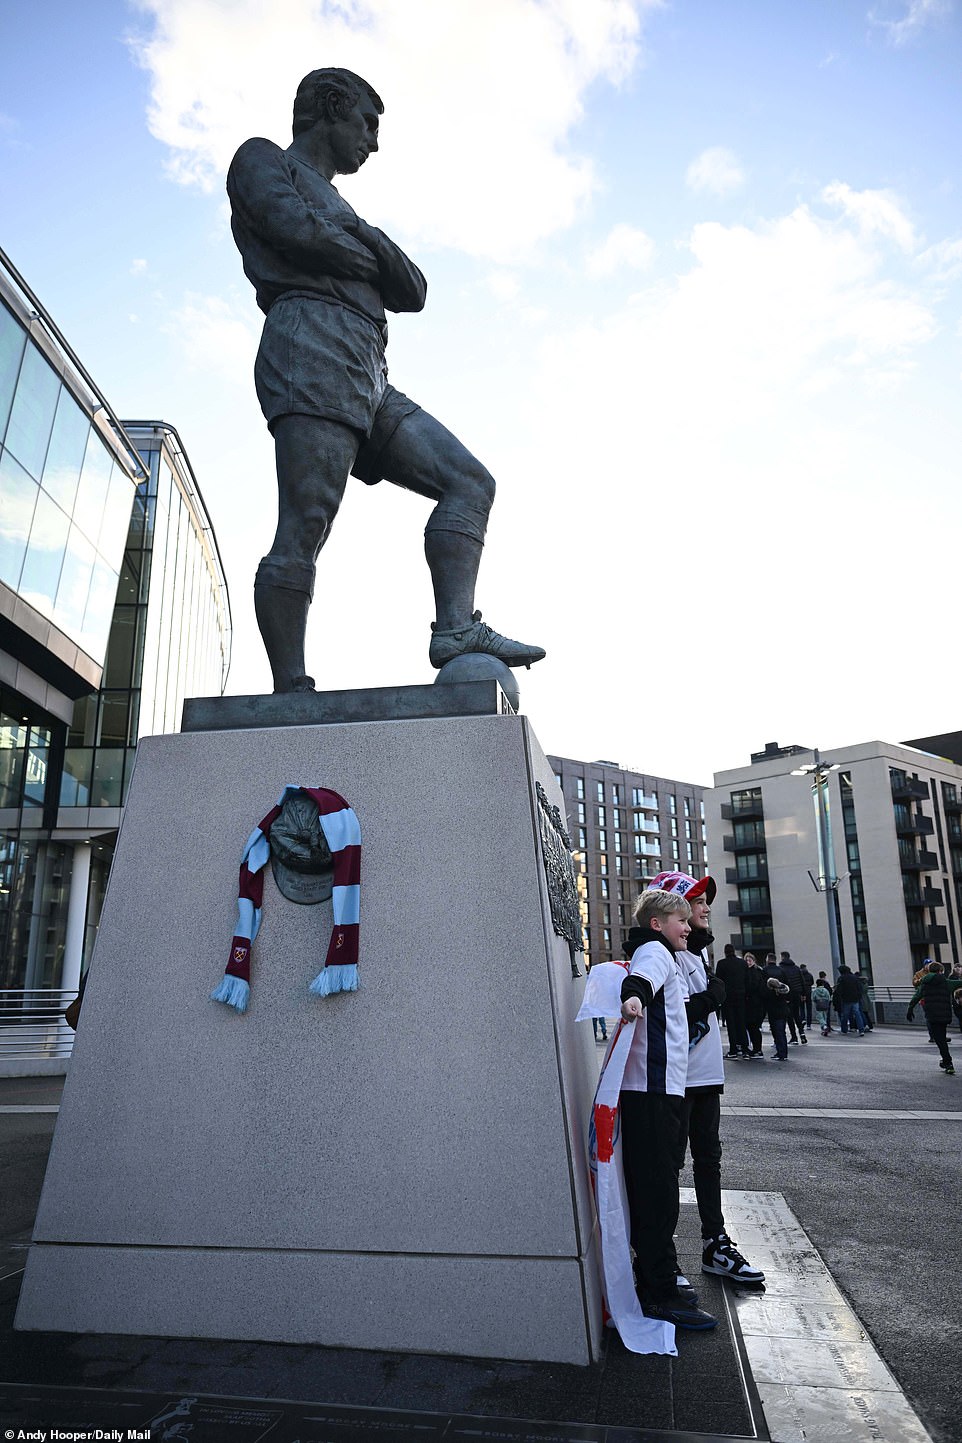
pixel 108 778
pixel 13 741
pixel 116 519
pixel 74 588
pixel 75 782
pixel 13 339
pixel 32 413
pixel 18 498
pixel 100 607
pixel 88 511
pixel 45 551
pixel 65 454
pixel 38 766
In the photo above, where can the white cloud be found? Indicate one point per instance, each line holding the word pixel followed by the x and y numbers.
pixel 138 267
pixel 716 170
pixel 215 339
pixel 503 285
pixel 943 260
pixel 737 425
pixel 480 100
pixel 876 212
pixel 624 248
pixel 910 19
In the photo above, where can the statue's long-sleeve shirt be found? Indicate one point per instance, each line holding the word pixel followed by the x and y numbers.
pixel 296 233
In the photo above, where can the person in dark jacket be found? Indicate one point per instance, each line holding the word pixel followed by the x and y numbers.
pixel 778 1008
pixel 731 971
pixel 756 1003
pixel 792 974
pixel 847 999
pixel 808 982
pixel 935 992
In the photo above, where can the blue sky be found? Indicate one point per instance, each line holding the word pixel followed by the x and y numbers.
pixel 694 297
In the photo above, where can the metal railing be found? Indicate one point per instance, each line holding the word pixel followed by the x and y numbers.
pixel 32 1025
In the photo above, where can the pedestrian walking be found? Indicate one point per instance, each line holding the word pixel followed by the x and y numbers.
pixel 935 992
pixel 823 980
pixel 847 999
pixel 731 971
pixel 756 1004
pixel 792 974
pixel 808 982
pixel 778 1007
pixel 822 1002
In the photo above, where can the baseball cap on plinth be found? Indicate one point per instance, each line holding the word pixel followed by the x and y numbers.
pixel 686 886
pixel 300 857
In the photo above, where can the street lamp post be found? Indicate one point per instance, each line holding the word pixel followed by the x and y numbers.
pixel 827 883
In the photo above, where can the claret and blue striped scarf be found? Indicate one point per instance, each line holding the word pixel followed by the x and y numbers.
pixel 343 835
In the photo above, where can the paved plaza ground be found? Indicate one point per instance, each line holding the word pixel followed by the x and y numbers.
pixel 857 1139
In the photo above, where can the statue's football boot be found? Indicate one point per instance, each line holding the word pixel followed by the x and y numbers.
pixel 477 636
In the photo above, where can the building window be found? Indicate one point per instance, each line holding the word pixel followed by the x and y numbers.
pixel 602 838
pixel 600 790
pixel 672 804
pixel 580 788
pixel 616 793
pixel 602 821
pixel 604 886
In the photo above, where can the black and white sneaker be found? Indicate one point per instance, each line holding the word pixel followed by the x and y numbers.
pixel 722 1257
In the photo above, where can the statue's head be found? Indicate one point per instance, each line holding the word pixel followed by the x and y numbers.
pixel 330 94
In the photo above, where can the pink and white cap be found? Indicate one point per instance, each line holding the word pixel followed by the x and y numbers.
pixel 684 885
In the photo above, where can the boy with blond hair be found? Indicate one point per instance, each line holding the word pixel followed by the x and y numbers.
pixel 637 1119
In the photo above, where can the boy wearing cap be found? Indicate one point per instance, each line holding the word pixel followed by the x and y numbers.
pixel 652 1102
pixel 636 1117
pixel 705 1081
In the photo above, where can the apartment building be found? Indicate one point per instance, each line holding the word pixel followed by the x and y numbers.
pixel 625 827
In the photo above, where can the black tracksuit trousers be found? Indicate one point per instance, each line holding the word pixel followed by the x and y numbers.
pixel 700 1133
pixel 651 1125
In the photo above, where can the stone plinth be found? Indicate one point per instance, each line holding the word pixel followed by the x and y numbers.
pixel 397 1168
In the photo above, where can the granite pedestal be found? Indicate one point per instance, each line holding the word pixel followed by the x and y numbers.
pixel 400 1168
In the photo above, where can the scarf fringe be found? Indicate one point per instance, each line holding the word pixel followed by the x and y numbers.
pixel 234 991
pixel 339 978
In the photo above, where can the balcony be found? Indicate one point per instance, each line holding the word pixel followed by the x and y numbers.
pixel 918 826
pixel 735 875
pixel 646 824
pixel 754 939
pixel 936 934
pixel 904 790
pixel 918 862
pixel 742 811
pixel 952 804
pixel 648 800
pixel 746 844
pixel 750 909
pixel 925 897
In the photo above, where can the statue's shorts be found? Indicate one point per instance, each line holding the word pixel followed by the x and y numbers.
pixel 318 358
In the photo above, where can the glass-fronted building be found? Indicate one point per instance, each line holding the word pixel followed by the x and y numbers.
pixel 113 608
